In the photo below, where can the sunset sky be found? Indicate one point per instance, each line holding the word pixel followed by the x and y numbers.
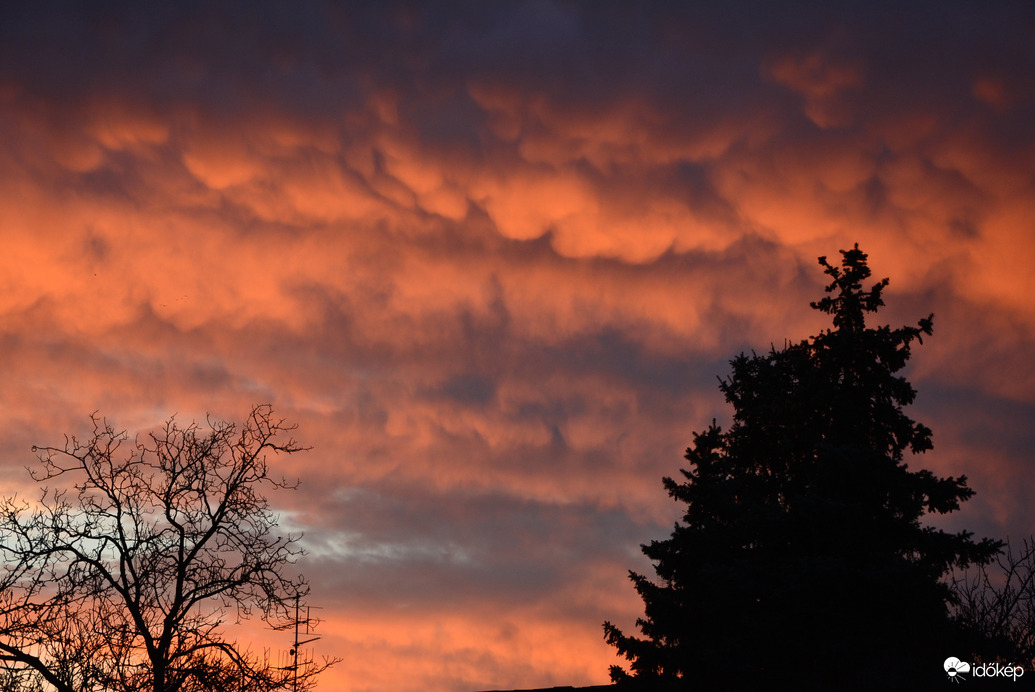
pixel 492 258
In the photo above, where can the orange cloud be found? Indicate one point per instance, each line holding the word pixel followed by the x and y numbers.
pixel 822 81
pixel 496 296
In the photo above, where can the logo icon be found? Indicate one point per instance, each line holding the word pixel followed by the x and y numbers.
pixel 955 668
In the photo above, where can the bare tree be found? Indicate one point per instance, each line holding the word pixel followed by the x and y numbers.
pixel 996 603
pixel 125 571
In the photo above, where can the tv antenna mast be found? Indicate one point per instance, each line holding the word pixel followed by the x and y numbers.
pixel 297 642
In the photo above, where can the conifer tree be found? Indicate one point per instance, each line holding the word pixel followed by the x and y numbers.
pixel 801 560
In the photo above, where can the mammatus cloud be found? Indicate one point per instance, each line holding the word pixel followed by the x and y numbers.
pixel 492 259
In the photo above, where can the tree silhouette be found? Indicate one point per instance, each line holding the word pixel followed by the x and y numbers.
pixel 122 575
pixel 995 602
pixel 801 561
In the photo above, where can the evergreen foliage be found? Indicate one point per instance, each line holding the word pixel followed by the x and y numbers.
pixel 801 560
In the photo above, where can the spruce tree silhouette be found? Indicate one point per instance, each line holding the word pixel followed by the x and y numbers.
pixel 801 561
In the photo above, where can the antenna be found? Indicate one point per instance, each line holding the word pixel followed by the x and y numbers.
pixel 297 642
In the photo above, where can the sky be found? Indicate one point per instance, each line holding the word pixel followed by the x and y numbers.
pixel 492 259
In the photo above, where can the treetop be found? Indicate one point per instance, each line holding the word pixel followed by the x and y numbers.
pixel 851 302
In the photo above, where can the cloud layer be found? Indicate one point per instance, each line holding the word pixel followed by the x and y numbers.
pixel 491 258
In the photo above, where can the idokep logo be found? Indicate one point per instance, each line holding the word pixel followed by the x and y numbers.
pixel 957 670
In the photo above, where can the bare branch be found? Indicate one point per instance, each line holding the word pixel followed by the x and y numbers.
pixel 123 574
pixel 996 603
